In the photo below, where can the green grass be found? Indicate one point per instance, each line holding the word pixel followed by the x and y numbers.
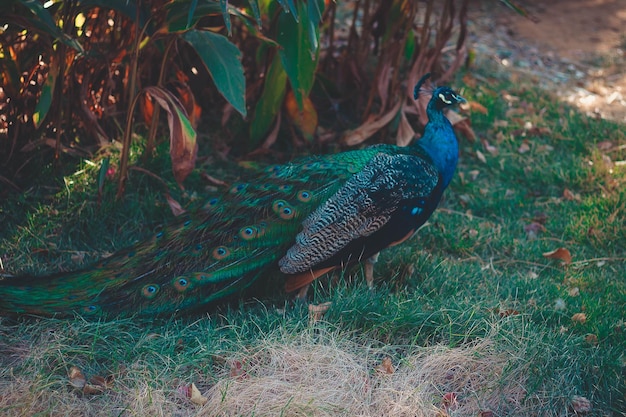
pixel 469 305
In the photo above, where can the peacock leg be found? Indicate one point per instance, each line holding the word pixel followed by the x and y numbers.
pixel 369 270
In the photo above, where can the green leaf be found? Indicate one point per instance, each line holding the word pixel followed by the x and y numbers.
pixel 409 46
pixel 177 19
pixel 254 5
pixel 269 104
pixel 192 10
pixel 183 145
pixel 226 16
pixel 47 94
pixel 46 24
pixel 298 54
pixel 289 7
pixel 222 59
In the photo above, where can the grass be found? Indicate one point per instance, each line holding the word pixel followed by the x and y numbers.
pixel 474 319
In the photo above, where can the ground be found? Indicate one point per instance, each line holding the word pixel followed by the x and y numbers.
pixel 577 47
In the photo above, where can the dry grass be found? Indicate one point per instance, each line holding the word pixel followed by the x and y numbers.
pixel 311 372
pixel 320 375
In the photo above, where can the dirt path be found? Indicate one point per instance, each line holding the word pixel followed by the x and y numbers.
pixel 577 47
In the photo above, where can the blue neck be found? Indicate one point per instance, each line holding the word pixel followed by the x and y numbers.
pixel 439 142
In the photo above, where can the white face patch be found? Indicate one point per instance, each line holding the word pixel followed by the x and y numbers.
pixel 444 99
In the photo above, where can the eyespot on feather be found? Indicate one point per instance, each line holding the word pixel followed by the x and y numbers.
pixel 220 253
pixel 150 291
pixel 181 284
pixel 248 232
pixel 305 196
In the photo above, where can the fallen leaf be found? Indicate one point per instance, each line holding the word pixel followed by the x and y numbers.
pixel 316 312
pixel 449 401
pixel 570 196
pixel 524 147
pixel 579 318
pixel 592 339
pixel 561 254
pixel 605 145
pixel 237 371
pixel 500 123
pixel 77 378
pixel 386 367
pixel 175 206
pixel 477 107
pixel 574 292
pixel 508 312
pixel 532 230
pixel 92 389
pixel 474 174
pixel 481 157
pixel 581 405
pixel 196 397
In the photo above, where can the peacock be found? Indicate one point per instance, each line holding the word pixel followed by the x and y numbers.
pixel 304 218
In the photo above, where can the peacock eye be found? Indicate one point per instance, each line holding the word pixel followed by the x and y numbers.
pixel 182 282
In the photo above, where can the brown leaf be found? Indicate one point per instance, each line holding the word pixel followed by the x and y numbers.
pixel 570 196
pixel 196 396
pixel 462 125
pixel 91 389
pixel 405 132
pixel 175 206
pixel 605 145
pixel 183 145
pixel 477 107
pixel 508 312
pixel 77 378
pixel 371 126
pixel 481 157
pixel 386 367
pixel 237 371
pixel 561 254
pixel 500 123
pixel 592 339
pixel 579 318
pixel 574 292
pixel 524 147
pixel 316 312
pixel 581 405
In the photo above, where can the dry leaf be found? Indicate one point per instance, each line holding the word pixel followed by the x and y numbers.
pixel 605 145
pixel 561 254
pixel 449 401
pixel 405 132
pixel 92 389
pixel 317 311
pixel 175 206
pixel 477 107
pixel 481 157
pixel 508 312
pixel 570 196
pixel 581 405
pixel 533 229
pixel 77 378
pixel 196 396
pixel 237 371
pixel 386 367
pixel 371 126
pixel 579 318
pixel 574 292
pixel 592 339
pixel 524 147
pixel 500 123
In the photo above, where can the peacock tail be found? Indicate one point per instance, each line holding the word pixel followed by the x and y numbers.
pixel 304 218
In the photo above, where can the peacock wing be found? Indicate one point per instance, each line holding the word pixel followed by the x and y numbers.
pixel 362 206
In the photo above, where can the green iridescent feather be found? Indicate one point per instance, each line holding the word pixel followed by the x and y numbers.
pixel 290 218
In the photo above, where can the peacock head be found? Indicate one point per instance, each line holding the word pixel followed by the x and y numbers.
pixel 441 98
